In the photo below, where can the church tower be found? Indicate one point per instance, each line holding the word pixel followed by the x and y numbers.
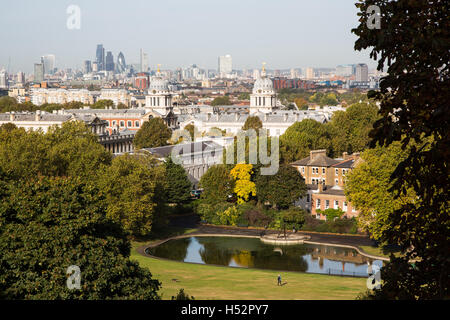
pixel 159 97
pixel 263 98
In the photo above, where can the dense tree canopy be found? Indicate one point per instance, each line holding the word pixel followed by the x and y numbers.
pixel 282 189
pixel 253 122
pixel 153 133
pixel 368 185
pixel 244 186
pixel 414 44
pixel 217 184
pixel 221 101
pixel 302 137
pixel 349 129
pixel 49 224
pixel 70 150
pixel 135 193
pixel 179 187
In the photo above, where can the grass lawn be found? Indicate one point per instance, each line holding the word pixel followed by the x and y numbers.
pixel 224 283
pixel 379 251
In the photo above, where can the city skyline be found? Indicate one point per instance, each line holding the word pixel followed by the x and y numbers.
pixel 177 34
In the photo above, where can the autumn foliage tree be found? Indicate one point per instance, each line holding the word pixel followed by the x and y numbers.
pixel 244 187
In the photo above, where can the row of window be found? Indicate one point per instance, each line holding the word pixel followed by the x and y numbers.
pixel 315 170
pixel 122 123
pixel 336 205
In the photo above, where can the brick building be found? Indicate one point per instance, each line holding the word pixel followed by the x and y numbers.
pixel 325 178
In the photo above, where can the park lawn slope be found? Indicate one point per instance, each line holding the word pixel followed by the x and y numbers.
pixel 225 283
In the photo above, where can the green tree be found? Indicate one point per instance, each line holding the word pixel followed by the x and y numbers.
pixel 328 100
pixel 331 214
pixel 349 130
pixel 192 131
pixel 413 43
pixel 9 126
pixel 221 101
pixel 282 189
pixel 217 184
pixel 244 96
pixel 178 185
pixel 49 224
pixel 103 104
pixel 291 218
pixel 135 193
pixel 253 122
pixel 153 133
pixel 302 137
pixel 70 150
pixel 368 188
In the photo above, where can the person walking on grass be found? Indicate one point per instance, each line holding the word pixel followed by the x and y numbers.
pixel 279 280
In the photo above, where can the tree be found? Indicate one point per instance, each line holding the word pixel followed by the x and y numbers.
pixel 301 103
pixel 153 133
pixel 217 184
pixel 103 104
pixel 49 224
pixel 70 150
pixel 282 189
pixel 122 106
pixel 9 126
pixel 300 138
pixel 192 131
pixel 291 218
pixel 253 122
pixel 244 187
pixel 135 193
pixel 368 186
pixel 244 96
pixel 328 100
pixel 221 101
pixel 349 129
pixel 178 185
pixel 413 107
pixel 331 214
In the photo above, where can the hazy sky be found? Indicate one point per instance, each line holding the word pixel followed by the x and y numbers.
pixel 177 33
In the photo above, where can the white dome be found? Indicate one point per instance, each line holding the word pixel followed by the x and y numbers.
pixel 158 84
pixel 263 85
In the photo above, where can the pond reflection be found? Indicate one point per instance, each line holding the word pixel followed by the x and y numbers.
pixel 252 253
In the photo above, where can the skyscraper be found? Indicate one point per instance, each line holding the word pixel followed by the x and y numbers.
pixel 309 73
pixel 225 65
pixel 21 77
pixel 362 72
pixel 109 61
pixel 49 63
pixel 3 79
pixel 100 57
pixel 144 61
pixel 87 67
pixel 344 70
pixel 121 66
pixel 39 72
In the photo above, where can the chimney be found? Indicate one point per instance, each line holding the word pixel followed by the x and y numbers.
pixel 345 155
pixel 11 117
pixel 316 153
pixel 38 115
pixel 320 185
pixel 236 116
